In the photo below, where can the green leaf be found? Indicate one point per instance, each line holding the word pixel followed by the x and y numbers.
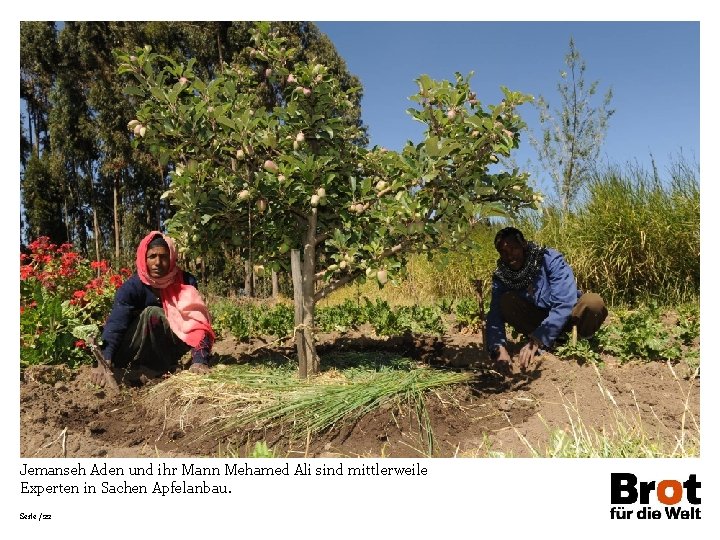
pixel 483 191
pixel 425 83
pixel 432 146
pixel 86 332
pixel 494 209
pixel 157 93
pixel 225 121
pixel 174 93
pixel 133 91
pixel 469 208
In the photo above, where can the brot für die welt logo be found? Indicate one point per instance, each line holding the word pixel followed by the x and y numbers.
pixel 680 499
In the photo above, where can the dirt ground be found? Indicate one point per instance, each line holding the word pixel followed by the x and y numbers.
pixel 63 415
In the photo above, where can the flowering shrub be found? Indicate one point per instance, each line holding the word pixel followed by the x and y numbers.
pixel 59 291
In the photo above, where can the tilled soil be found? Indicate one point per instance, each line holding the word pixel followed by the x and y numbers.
pixel 63 415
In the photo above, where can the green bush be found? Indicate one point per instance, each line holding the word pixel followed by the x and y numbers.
pixel 245 319
pixel 645 333
pixel 639 334
pixel 341 318
pixel 468 314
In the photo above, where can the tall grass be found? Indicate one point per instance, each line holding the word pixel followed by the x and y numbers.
pixel 634 238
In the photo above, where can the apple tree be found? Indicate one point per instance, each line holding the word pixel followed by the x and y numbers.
pixel 292 182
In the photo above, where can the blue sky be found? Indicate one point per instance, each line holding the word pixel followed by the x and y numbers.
pixel 652 67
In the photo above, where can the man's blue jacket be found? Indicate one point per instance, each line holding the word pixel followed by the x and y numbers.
pixel 554 289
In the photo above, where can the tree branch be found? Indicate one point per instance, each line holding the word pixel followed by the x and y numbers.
pixel 320 238
pixel 335 285
pixel 299 214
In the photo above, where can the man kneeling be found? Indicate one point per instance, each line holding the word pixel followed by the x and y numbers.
pixel 534 291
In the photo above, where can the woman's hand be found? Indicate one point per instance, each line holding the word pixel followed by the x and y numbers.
pixel 199 368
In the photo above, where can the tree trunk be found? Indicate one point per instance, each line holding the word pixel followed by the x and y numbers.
pixel 303 274
pixel 308 360
pixel 308 301
pixel 96 234
pixel 249 292
pixel 275 284
pixel 249 283
pixel 66 219
pixel 296 269
pixel 116 222
pixel 93 209
pixel 30 132
pixel 219 46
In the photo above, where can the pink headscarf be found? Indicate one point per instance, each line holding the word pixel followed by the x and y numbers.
pixel 184 308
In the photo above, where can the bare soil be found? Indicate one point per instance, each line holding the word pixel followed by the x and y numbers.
pixel 63 415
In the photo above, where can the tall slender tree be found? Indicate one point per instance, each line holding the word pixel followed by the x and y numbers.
pixel 38 57
pixel 38 60
pixel 573 133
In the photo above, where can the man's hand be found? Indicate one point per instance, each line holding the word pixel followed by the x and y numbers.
pixel 527 353
pixel 503 354
pixel 102 374
pixel 503 361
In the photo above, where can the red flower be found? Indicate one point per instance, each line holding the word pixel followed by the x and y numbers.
pixel 69 258
pixel 96 284
pixel 116 280
pixel 79 294
pixel 80 343
pixel 26 271
pixel 42 242
pixel 99 265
